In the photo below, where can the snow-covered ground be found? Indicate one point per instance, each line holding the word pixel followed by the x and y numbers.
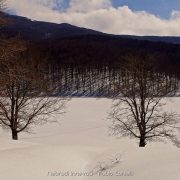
pixel 79 147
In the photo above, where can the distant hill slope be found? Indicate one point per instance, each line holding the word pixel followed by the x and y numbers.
pixel 167 39
pixel 37 30
pixel 65 44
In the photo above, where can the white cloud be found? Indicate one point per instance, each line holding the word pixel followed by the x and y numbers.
pixel 99 15
pixel 88 5
pixel 175 14
pixel 36 9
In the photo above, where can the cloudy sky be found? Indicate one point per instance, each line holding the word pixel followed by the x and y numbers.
pixel 137 17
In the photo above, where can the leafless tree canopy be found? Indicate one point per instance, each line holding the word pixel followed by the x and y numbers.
pixel 137 111
pixel 24 89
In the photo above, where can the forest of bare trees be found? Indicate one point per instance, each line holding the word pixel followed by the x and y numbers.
pixel 25 89
pixel 138 109
pixel 28 84
pixel 32 89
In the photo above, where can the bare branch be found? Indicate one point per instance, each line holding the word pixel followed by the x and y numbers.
pixel 137 111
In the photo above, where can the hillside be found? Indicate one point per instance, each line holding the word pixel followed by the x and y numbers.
pixel 37 30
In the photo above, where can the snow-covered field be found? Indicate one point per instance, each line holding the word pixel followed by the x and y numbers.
pixel 79 147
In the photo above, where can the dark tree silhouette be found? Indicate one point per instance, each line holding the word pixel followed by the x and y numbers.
pixel 137 111
pixel 25 90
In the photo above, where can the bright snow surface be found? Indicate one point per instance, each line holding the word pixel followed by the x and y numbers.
pixel 79 147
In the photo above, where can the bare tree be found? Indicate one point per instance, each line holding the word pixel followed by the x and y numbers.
pixel 138 109
pixel 25 91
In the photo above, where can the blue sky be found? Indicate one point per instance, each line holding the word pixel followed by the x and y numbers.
pixel 161 8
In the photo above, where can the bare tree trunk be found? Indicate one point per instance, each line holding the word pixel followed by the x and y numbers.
pixel 142 142
pixel 14 134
